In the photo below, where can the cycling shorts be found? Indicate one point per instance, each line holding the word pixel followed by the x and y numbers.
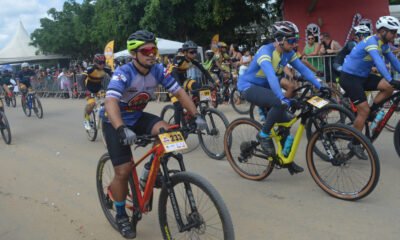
pixel 120 153
pixel 355 86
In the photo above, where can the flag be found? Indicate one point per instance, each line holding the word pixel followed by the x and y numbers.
pixel 214 42
pixel 109 53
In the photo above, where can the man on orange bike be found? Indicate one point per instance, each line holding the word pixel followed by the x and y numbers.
pixel 261 83
pixel 95 74
pixel 130 89
pixel 356 77
pixel 5 80
pixel 178 70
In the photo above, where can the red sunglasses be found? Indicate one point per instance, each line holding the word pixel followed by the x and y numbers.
pixel 147 51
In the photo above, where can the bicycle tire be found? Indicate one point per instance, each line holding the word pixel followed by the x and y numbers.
pixel 343 167
pixel 13 101
pixel 37 107
pixel 235 95
pixel 167 218
pixel 7 99
pixel 167 114
pixel 92 133
pixel 6 131
pixel 106 203
pixel 255 174
pixel 396 138
pixel 211 146
pixel 346 116
pixel 101 128
pixel 25 107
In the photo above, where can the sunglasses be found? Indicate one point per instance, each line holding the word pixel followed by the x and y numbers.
pixel 311 38
pixel 394 32
pixel 101 62
pixel 192 52
pixel 292 40
pixel 147 51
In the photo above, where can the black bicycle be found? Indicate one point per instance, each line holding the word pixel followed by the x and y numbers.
pixel 4 125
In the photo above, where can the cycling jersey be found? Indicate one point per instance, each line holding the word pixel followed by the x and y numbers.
pixel 95 75
pixel 24 76
pixel 339 59
pixel 180 66
pixel 5 79
pixel 134 91
pixel 368 53
pixel 267 64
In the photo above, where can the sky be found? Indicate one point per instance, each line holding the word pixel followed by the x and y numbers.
pixel 28 11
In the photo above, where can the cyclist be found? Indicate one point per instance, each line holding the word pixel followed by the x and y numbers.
pixel 95 74
pixel 360 33
pixel 178 70
pixel 24 78
pixel 5 80
pixel 261 83
pixel 128 93
pixel 356 74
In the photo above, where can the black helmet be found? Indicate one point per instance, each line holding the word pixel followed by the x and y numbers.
pixel 189 45
pixel 210 54
pixel 284 29
pixel 140 38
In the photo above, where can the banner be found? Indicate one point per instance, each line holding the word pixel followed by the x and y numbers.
pixel 214 42
pixel 109 53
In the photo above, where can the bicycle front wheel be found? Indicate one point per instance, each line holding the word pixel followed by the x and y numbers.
pixel 396 138
pixel 192 141
pixel 13 101
pixel 344 176
pixel 5 128
pixel 37 107
pixel 92 133
pixel 203 213
pixel 244 151
pixel 239 104
pixel 212 138
pixel 25 107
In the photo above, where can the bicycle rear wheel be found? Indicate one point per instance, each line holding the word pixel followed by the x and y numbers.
pixel 192 140
pixel 239 104
pixel 37 107
pixel 13 101
pixel 104 176
pixel 203 212
pixel 243 150
pixel 212 139
pixel 396 138
pixel 344 176
pixel 331 113
pixel 92 133
pixel 5 128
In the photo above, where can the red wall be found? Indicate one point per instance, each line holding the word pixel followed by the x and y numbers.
pixel 336 15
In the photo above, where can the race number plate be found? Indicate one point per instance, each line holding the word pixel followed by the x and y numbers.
pixel 317 102
pixel 205 95
pixel 173 141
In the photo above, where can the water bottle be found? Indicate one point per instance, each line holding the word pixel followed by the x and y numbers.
pixel 288 145
pixel 377 119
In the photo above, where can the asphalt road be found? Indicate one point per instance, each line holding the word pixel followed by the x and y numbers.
pixel 48 188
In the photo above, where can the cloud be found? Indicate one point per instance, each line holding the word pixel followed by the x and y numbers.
pixel 28 11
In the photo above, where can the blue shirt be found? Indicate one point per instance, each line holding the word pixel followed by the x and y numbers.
pixel 134 90
pixel 366 54
pixel 267 64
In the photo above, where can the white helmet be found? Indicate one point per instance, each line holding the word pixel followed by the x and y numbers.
pixel 361 29
pixel 25 64
pixel 388 22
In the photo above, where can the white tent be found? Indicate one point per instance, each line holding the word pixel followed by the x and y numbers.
pixel 19 50
pixel 165 47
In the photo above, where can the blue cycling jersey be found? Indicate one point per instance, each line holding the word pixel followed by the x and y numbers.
pixel 368 53
pixel 267 64
pixel 135 90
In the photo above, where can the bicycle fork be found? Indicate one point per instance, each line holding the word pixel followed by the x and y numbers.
pixel 193 217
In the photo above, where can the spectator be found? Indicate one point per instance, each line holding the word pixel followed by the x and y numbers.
pixel 235 55
pixel 65 79
pixel 245 61
pixel 329 47
pixel 312 49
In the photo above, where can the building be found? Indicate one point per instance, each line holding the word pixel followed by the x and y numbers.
pixel 335 17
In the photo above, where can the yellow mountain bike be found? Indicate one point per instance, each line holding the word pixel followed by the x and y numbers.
pixel 342 175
